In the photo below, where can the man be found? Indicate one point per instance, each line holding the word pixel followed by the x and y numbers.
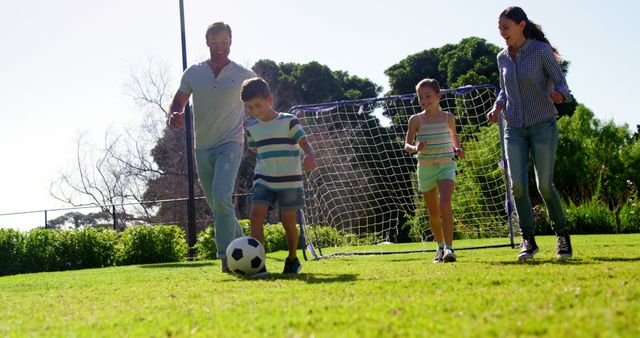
pixel 219 136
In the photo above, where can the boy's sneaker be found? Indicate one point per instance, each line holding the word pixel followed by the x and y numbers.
pixel 563 245
pixel 260 274
pixel 225 266
pixel 439 255
pixel 528 248
pixel 449 256
pixel 292 267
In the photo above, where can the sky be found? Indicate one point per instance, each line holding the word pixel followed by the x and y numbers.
pixel 64 64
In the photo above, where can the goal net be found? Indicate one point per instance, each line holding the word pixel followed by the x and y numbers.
pixel 362 197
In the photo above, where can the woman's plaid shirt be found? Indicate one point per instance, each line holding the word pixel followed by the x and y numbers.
pixel 525 84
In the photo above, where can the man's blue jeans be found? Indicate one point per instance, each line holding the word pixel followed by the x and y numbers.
pixel 540 141
pixel 217 171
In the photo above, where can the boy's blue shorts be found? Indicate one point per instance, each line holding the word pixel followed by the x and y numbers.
pixel 292 199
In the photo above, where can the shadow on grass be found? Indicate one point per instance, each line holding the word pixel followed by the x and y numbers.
pixel 319 278
pixel 536 261
pixel 425 258
pixel 617 259
pixel 177 265
pixel 315 278
pixel 571 261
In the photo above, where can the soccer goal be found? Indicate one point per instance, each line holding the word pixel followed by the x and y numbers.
pixel 362 197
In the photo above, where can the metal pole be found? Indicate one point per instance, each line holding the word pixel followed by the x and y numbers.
pixel 191 203
pixel 45 219
pixel 113 210
pixel 508 204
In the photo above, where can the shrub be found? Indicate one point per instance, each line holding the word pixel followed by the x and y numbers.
pixel 275 238
pixel 630 217
pixel 97 247
pixel 51 250
pixel 327 236
pixel 86 248
pixel 245 224
pixel 11 251
pixel 591 217
pixel 541 219
pixel 40 251
pixel 152 244
pixel 172 245
pixel 67 250
pixel 206 247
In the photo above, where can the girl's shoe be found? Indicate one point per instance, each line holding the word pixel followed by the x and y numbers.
pixel 439 255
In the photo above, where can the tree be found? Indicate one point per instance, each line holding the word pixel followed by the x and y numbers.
pixel 472 61
pixel 119 170
pixel 99 178
pixel 404 75
pixel 76 219
pixel 291 84
pixel 294 84
pixel 162 166
pixel 596 159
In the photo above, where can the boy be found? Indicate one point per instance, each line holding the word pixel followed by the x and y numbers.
pixel 276 138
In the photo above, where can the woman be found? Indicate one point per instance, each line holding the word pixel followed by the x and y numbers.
pixel 531 81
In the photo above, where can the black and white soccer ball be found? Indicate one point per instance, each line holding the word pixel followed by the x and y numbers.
pixel 245 256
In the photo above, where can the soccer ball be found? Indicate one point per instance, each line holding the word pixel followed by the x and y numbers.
pixel 245 256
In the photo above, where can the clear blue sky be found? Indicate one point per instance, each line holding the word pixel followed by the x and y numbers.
pixel 64 64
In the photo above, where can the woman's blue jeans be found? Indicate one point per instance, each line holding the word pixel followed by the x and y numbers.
pixel 540 141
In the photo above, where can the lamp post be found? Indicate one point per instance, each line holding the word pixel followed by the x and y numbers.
pixel 191 204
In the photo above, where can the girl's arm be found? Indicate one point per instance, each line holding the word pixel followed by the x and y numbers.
pixel 451 122
pixel 411 136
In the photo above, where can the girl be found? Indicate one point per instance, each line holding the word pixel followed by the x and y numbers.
pixel 437 144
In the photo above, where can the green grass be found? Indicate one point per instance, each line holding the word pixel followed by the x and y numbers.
pixel 486 293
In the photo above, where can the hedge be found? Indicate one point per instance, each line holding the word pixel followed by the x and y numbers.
pixel 56 250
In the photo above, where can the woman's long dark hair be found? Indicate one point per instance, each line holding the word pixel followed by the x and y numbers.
pixel 531 29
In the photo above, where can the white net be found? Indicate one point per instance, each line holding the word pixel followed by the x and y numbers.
pixel 362 192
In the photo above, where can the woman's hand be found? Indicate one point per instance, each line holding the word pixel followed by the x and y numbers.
pixel 492 116
pixel 556 97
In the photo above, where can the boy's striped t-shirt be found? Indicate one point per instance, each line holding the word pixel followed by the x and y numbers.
pixel 278 165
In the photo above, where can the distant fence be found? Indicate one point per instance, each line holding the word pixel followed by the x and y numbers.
pixel 119 215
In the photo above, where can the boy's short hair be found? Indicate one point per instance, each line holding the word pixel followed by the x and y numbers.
pixel 255 87
pixel 429 83
pixel 218 27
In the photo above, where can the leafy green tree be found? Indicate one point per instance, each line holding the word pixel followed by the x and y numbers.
pixel 404 75
pixel 293 84
pixel 596 160
pixel 77 219
pixel 471 61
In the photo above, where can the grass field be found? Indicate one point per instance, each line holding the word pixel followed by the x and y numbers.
pixel 486 293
